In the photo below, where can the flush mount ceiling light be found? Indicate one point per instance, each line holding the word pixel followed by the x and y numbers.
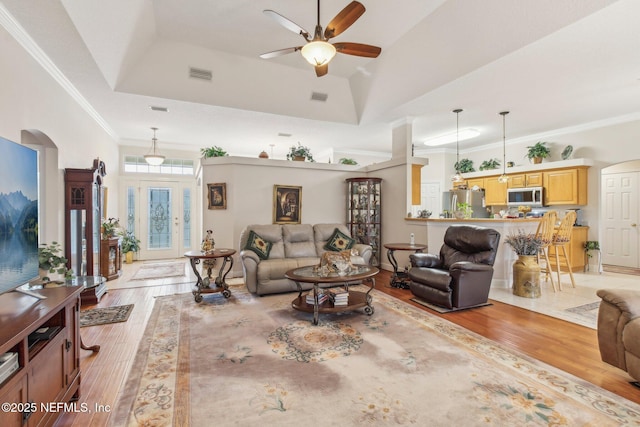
pixel 503 179
pixel 461 135
pixel 154 158
pixel 457 178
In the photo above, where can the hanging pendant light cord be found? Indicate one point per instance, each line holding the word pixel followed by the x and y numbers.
pixel 503 179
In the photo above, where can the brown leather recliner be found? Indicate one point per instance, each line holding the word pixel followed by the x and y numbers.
pixel 461 276
pixel 619 329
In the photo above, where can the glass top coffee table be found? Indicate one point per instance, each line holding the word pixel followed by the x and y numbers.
pixel 316 276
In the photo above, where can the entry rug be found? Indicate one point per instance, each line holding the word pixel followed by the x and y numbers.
pixel 588 311
pixel 160 271
pixel 102 316
pixel 249 361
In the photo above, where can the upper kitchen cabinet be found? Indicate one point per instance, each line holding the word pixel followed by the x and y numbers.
pixel 523 180
pixel 566 186
pixel 495 192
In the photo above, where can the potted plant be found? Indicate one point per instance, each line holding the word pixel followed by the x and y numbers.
pixel 526 271
pixel 51 262
pixel 347 161
pixel 464 166
pixel 490 164
pixel 110 228
pixel 538 151
pixel 464 211
pixel 214 151
pixel 299 153
pixel 129 244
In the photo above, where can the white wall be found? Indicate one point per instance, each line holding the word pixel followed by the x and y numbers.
pixel 32 100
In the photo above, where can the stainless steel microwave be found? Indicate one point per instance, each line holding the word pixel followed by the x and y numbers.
pixel 531 196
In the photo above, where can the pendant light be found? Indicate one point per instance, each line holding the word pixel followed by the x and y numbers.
pixel 457 178
pixel 503 179
pixel 153 158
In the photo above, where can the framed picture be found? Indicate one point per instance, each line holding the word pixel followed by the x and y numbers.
pixel 287 204
pixel 217 194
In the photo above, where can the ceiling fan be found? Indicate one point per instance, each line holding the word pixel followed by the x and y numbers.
pixel 318 51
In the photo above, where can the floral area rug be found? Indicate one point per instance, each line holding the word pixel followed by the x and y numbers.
pixel 104 315
pixel 159 271
pixel 251 360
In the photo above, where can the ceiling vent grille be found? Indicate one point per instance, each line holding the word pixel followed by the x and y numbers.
pixel 199 73
pixel 286 135
pixel 317 96
pixel 156 108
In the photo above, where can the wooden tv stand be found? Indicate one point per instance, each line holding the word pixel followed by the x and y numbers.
pixel 49 369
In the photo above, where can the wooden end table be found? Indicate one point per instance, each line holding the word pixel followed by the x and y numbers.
pixel 203 286
pixel 399 279
pixel 313 275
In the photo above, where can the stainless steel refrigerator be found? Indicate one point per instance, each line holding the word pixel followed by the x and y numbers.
pixel 475 199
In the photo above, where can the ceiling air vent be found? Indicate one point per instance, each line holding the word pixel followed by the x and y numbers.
pixel 286 135
pixel 199 73
pixel 317 96
pixel 156 108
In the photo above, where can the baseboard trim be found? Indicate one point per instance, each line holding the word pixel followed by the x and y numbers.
pixel 622 270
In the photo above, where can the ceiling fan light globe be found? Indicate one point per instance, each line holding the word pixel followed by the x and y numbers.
pixel 318 52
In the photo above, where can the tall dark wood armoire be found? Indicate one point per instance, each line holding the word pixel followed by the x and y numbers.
pixel 83 218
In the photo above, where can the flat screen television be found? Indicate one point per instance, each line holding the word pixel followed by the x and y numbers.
pixel 18 215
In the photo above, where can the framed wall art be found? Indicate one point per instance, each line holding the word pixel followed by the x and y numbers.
pixel 217 194
pixel 287 204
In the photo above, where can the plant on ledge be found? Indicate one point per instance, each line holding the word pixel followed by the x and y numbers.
pixel 50 260
pixel 214 151
pixel 464 166
pixel 538 151
pixel 524 243
pixel 347 161
pixel 299 152
pixel 490 164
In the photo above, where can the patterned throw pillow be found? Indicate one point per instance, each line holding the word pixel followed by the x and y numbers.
pixel 258 245
pixel 339 241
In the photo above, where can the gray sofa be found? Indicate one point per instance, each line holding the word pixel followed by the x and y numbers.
pixel 294 245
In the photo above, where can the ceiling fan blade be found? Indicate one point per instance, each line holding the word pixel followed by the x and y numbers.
pixel 344 19
pixel 358 49
pixel 287 23
pixel 280 52
pixel 321 70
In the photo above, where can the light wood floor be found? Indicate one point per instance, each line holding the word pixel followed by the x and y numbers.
pixel 565 345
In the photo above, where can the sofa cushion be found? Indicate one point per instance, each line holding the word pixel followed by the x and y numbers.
pixel 339 241
pixel 298 241
pixel 258 245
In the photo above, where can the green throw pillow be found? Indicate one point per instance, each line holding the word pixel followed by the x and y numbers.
pixel 339 242
pixel 258 245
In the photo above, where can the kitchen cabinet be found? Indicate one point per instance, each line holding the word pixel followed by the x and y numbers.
pixel 475 181
pixel 495 192
pixel 524 180
pixel 565 186
pixel 575 251
pixel 416 184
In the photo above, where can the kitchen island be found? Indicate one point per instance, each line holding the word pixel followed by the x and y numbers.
pixel 503 266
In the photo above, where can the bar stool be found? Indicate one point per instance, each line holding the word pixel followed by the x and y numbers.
pixel 561 239
pixel 545 231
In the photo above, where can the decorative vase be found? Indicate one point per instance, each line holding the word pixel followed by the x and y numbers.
pixel 128 257
pixel 537 160
pixel 263 155
pixel 526 277
pixel 299 158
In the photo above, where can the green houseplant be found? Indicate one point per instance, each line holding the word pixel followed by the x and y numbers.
pixel 490 164
pixel 130 244
pixel 538 151
pixel 347 161
pixel 300 153
pixel 51 261
pixel 214 151
pixel 464 166
pixel 110 228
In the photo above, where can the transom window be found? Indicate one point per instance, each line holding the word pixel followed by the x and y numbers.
pixel 137 164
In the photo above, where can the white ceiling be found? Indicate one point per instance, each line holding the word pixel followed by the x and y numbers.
pixel 553 63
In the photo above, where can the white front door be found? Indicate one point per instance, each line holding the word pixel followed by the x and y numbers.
pixel 160 215
pixel 620 219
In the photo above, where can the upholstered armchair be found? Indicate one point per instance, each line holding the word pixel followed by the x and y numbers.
pixel 460 277
pixel 619 330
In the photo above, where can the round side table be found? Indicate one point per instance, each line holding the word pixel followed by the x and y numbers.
pixel 399 279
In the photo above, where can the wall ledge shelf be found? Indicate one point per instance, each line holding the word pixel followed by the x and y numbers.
pixel 544 166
